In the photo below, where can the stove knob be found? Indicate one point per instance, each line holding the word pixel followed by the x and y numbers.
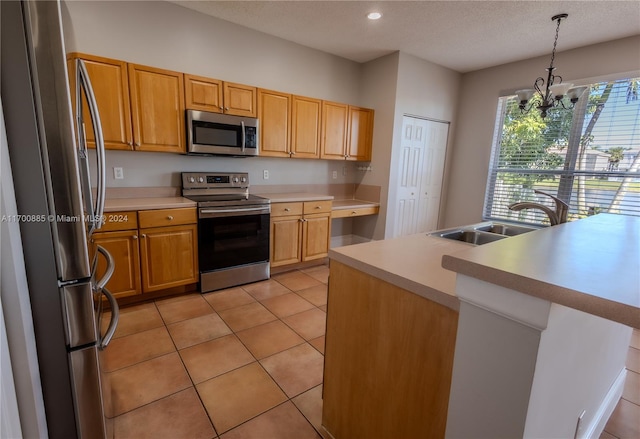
pixel 235 179
pixel 192 179
pixel 243 179
pixel 200 179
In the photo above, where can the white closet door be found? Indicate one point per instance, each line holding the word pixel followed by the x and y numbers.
pixel 423 150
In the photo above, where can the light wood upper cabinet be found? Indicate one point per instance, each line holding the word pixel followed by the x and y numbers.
pixel 240 99
pixel 347 132
pixel 305 127
pixel 109 79
pixel 334 130
pixel 203 94
pixel 216 96
pixel 274 110
pixel 360 137
pixel 157 108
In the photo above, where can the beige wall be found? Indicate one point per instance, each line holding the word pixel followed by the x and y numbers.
pixel 169 36
pixel 396 85
pixel 479 94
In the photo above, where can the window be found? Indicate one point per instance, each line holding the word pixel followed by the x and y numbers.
pixel 588 157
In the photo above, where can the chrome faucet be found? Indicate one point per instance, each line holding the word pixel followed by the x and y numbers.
pixel 556 217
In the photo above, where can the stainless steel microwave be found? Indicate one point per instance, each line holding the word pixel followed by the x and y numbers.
pixel 221 134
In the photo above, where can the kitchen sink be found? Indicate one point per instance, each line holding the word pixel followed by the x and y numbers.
pixel 504 229
pixel 482 233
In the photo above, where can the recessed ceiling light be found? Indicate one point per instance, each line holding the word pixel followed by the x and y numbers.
pixel 374 15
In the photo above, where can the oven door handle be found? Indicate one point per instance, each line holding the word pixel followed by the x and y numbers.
pixel 238 211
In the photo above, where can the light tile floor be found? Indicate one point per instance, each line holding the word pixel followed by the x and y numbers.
pixel 245 362
pixel 624 422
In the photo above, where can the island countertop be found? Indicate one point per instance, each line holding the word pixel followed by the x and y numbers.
pixel 592 265
pixel 411 262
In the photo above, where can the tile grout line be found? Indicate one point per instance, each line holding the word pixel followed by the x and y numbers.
pixel 193 385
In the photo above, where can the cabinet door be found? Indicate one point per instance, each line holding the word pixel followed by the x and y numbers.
pixel 240 99
pixel 286 235
pixel 273 112
pixel 316 236
pixel 169 257
pixel 203 94
pixel 157 106
pixel 110 83
pixel 305 127
pixel 334 130
pixel 360 134
pixel 123 246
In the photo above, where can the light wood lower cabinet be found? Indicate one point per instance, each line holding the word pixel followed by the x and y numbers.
pixel 153 250
pixel 168 256
pixel 300 232
pixel 388 359
pixel 119 236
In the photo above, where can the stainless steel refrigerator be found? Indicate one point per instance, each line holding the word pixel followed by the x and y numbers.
pixel 57 213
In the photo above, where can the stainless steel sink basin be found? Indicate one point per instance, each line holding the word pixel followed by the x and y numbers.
pixel 505 229
pixel 476 237
pixel 482 233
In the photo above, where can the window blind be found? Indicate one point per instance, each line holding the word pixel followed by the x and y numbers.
pixel 588 156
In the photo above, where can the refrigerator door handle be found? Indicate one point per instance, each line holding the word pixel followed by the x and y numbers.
pixel 111 265
pixel 84 82
pixel 113 324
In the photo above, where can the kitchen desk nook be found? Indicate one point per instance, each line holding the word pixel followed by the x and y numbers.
pixel 522 337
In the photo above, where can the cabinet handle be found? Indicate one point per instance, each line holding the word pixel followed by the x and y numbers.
pixel 292 153
pixel 144 235
pixel 318 207
pixel 137 144
pixel 135 236
pixel 286 209
pixel 226 108
pixel 170 218
pixel 353 212
pixel 221 107
pixel 130 143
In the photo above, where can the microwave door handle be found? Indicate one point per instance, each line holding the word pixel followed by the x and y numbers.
pixel 244 136
pixel 85 82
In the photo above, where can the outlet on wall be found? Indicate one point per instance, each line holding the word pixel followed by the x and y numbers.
pixel 265 174
pixel 118 173
pixel 335 174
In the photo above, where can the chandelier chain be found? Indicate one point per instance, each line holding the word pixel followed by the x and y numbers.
pixel 555 42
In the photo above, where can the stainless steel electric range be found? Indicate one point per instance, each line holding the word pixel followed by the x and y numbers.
pixel 233 229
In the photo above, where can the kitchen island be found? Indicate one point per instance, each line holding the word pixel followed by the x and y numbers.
pixel 540 339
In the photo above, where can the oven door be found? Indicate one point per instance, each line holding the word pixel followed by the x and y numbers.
pixel 232 237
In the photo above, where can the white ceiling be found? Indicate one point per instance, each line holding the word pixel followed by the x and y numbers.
pixel 461 35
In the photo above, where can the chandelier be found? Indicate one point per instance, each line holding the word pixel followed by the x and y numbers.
pixel 554 90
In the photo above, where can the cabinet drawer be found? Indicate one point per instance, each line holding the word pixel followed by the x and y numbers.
pixel 167 217
pixel 358 211
pixel 116 221
pixel 286 209
pixel 317 207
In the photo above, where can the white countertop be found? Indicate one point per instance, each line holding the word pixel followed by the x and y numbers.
pixel 592 265
pixel 150 203
pixel 411 262
pixel 291 197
